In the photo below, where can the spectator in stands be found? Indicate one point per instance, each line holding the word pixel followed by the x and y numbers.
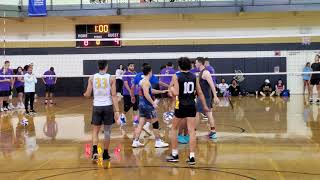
pixel 19 85
pixel 306 78
pixel 234 88
pixel 223 87
pixel 266 89
pixel 119 82
pixel 280 87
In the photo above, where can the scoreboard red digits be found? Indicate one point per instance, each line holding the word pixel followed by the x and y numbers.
pixel 98 32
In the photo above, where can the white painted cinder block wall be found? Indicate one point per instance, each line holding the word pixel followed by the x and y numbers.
pixel 72 64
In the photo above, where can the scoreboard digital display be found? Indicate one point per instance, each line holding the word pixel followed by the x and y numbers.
pixel 98 32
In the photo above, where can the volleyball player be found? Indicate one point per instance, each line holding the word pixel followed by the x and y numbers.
pixel 50 83
pixel 147 109
pixel 154 82
pixel 185 86
pixel 127 94
pixel 315 79
pixel 105 107
pixel 209 90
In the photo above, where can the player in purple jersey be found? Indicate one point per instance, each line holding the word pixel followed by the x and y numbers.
pixel 50 83
pixel 194 69
pixel 168 71
pixel 19 85
pixel 7 87
pixel 128 82
pixel 210 69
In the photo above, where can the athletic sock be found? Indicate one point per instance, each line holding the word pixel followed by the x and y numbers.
pixel 192 154
pixel 174 152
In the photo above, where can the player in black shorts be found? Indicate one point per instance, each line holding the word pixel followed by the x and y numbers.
pixel 315 78
pixel 185 86
pixel 105 107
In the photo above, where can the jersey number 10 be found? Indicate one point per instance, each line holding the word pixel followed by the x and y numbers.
pixel 188 88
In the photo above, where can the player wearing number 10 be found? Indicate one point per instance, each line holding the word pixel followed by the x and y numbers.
pixel 185 86
pixel 105 107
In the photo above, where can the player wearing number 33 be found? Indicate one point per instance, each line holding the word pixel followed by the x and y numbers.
pixel 105 107
pixel 185 86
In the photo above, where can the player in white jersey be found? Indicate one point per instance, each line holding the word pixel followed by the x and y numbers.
pixel 105 107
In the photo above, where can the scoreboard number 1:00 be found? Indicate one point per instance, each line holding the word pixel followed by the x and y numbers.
pixel 101 28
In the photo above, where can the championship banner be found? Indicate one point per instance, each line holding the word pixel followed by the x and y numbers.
pixel 37 8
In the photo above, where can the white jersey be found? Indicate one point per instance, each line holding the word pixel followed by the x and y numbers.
pixel 101 90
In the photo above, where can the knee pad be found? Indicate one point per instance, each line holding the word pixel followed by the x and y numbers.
pixel 155 125
pixel 107 131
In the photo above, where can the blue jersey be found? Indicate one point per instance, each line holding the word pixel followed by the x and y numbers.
pixel 153 80
pixel 143 101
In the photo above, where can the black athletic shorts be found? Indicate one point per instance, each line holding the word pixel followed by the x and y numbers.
pixel 20 89
pixel 314 81
pixel 185 111
pixel 50 88
pixel 127 104
pixel 5 93
pixel 102 115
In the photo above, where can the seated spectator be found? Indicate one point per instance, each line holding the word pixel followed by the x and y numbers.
pixel 280 87
pixel 223 87
pixel 234 88
pixel 266 89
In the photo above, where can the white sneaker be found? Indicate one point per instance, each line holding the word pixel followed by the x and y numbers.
pixel 22 106
pixel 137 144
pixel 11 106
pixel 5 109
pixel 161 144
pixel 146 128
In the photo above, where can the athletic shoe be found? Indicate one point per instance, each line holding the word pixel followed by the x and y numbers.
pixel 310 100
pixel 172 158
pixel 22 106
pixel 46 101
pixel 146 128
pixel 1 110
pixel 137 144
pixel 106 156
pixel 33 112
pixel 27 113
pixel 95 156
pixel 5 109
pixel 161 144
pixel 182 140
pixel 11 106
pixel 212 135
pixel 191 161
pixel 318 101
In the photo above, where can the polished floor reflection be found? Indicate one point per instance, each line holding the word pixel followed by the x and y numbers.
pixel 270 138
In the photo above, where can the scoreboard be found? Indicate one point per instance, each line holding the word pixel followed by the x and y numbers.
pixel 97 32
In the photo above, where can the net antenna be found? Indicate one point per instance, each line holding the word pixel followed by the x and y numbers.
pixel 239 76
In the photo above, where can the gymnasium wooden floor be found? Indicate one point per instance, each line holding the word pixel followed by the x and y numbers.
pixel 257 139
